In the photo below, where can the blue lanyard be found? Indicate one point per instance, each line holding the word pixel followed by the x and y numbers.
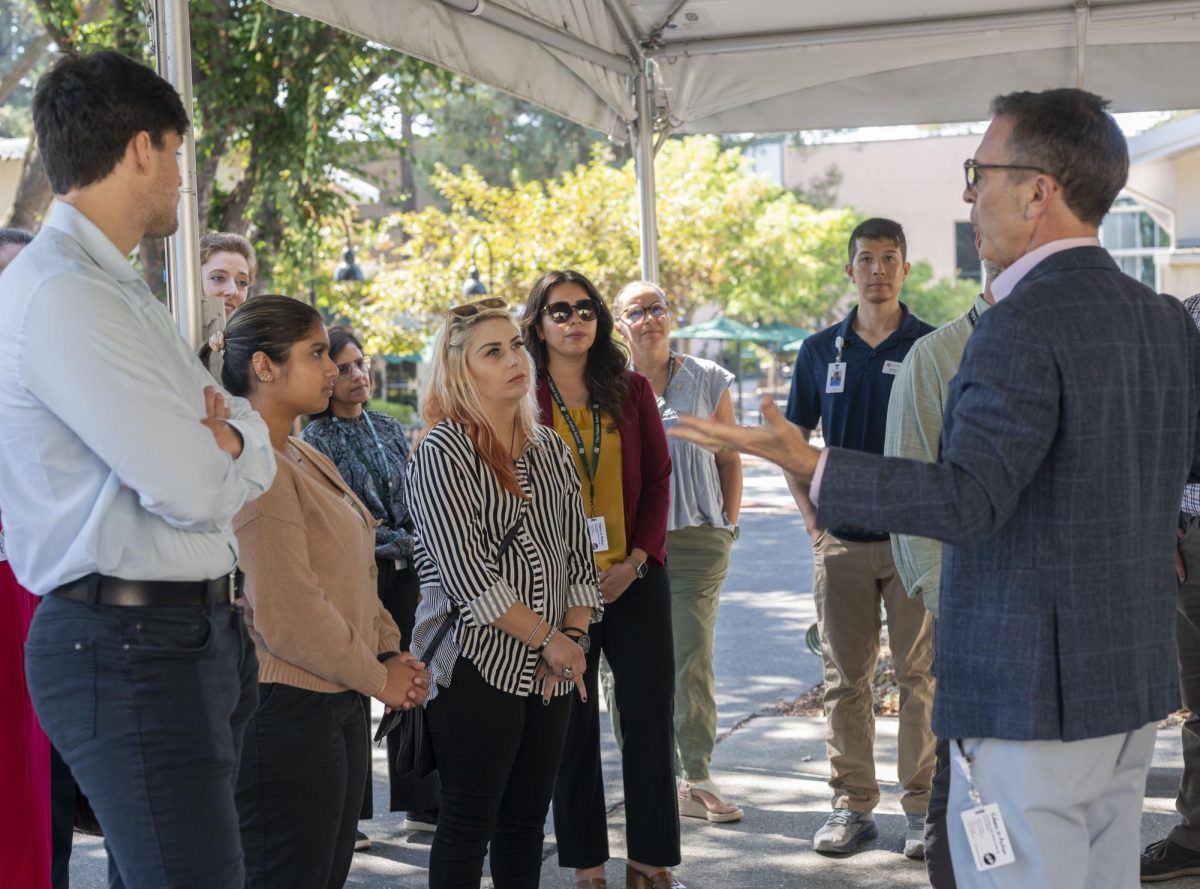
pixel 381 473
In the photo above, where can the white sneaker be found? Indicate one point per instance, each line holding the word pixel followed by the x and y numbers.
pixel 914 836
pixel 845 831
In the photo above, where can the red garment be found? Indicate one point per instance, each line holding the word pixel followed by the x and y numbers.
pixel 24 750
pixel 645 464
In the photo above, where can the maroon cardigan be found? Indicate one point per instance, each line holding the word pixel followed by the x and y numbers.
pixel 645 464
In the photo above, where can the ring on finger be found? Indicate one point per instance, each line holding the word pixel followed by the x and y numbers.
pixel 567 672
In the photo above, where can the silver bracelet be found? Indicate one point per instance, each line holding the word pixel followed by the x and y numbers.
pixel 536 627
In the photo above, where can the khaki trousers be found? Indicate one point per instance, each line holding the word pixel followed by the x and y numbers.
pixel 849 580
pixel 697 561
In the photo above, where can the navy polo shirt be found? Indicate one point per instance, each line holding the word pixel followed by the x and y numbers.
pixel 856 417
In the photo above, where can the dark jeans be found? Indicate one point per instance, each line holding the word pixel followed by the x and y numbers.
pixel 497 754
pixel 635 637
pixel 147 707
pixel 300 787
pixel 937 838
pixel 62 820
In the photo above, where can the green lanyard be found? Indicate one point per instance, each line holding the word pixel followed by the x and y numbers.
pixel 589 471
pixel 380 474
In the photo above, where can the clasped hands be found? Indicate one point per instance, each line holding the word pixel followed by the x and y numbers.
pixel 563 660
pixel 407 683
pixel 775 440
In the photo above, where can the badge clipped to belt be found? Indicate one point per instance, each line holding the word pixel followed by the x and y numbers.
pixel 984 825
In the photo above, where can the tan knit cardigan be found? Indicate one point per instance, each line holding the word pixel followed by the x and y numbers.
pixel 312 606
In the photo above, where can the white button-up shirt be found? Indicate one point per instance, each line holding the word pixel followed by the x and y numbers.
pixel 104 464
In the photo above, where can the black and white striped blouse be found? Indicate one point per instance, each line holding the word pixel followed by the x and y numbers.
pixel 462 514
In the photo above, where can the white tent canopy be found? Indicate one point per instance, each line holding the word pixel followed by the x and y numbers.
pixel 773 65
pixel 646 67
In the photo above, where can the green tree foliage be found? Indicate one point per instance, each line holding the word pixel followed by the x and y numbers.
pixel 726 236
pixel 507 140
pixel 937 301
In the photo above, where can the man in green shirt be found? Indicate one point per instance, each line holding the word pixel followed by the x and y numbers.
pixel 914 429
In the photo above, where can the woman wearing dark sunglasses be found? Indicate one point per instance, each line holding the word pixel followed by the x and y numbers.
pixel 608 417
pixel 371 453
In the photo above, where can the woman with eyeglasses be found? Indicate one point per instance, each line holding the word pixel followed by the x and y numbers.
pixel 706 496
pixel 507 585
pixel 607 416
pixel 371 453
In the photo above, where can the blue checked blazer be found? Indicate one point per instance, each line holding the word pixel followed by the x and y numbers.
pixel 1070 431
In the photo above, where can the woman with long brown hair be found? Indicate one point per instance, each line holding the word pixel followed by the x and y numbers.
pixel 608 416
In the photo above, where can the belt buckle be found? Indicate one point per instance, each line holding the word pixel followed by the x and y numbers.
pixel 231 589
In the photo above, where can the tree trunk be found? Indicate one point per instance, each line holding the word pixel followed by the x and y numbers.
pixel 33 193
pixel 33 52
pixel 408 184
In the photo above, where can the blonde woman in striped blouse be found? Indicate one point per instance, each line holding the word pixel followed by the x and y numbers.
pixel 503 552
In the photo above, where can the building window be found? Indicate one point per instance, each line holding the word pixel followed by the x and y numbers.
pixel 1135 240
pixel 966 258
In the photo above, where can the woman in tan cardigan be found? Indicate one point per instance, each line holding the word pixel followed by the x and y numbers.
pixel 307 549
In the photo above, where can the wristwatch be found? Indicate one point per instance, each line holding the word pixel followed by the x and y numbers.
pixel 579 637
pixel 639 567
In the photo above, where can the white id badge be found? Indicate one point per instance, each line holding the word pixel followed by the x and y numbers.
pixel 3 551
pixel 835 379
pixel 988 837
pixel 599 534
pixel 891 368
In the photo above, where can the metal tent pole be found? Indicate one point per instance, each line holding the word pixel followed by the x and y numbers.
pixel 644 164
pixel 173 54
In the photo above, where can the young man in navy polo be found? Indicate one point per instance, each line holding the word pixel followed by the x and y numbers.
pixel 843 380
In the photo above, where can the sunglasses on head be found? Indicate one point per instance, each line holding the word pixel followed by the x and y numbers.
pixel 560 312
pixel 470 310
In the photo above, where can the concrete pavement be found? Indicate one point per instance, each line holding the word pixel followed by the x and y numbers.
pixel 774 766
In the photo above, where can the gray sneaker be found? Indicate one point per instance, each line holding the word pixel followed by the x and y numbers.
pixel 914 836
pixel 845 831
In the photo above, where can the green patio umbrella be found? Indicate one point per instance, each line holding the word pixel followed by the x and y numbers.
pixel 729 330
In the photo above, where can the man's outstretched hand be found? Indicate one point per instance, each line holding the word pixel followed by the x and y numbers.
pixel 775 440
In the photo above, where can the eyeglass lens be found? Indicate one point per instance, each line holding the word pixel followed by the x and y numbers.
pixel 344 370
pixel 637 313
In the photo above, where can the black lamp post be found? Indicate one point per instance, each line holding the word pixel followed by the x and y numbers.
pixel 473 287
pixel 348 269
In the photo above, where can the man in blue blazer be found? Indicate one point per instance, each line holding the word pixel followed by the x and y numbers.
pixel 1070 431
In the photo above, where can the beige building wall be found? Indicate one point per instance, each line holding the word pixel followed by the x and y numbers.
pixel 917 182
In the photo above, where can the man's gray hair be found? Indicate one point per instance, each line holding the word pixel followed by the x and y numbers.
pixel 1069 134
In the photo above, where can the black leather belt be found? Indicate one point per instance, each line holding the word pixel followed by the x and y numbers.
pixel 147 593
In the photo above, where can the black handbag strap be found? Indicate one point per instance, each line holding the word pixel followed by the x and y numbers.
pixel 448 624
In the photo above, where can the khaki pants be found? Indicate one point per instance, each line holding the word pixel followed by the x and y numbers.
pixel 697 561
pixel 849 580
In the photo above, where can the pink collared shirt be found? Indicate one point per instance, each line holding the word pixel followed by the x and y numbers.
pixel 1006 282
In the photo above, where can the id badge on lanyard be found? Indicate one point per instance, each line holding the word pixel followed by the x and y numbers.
pixel 984 825
pixel 835 376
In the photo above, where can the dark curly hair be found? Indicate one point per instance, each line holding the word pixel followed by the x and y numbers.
pixel 608 361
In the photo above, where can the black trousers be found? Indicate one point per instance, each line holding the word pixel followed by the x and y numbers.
pixel 300 786
pixel 937 837
pixel 635 637
pixel 400 592
pixel 497 754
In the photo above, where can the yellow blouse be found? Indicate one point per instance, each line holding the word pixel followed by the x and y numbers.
pixel 610 499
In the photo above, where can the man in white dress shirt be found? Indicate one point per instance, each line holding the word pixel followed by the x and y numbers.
pixel 121 467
